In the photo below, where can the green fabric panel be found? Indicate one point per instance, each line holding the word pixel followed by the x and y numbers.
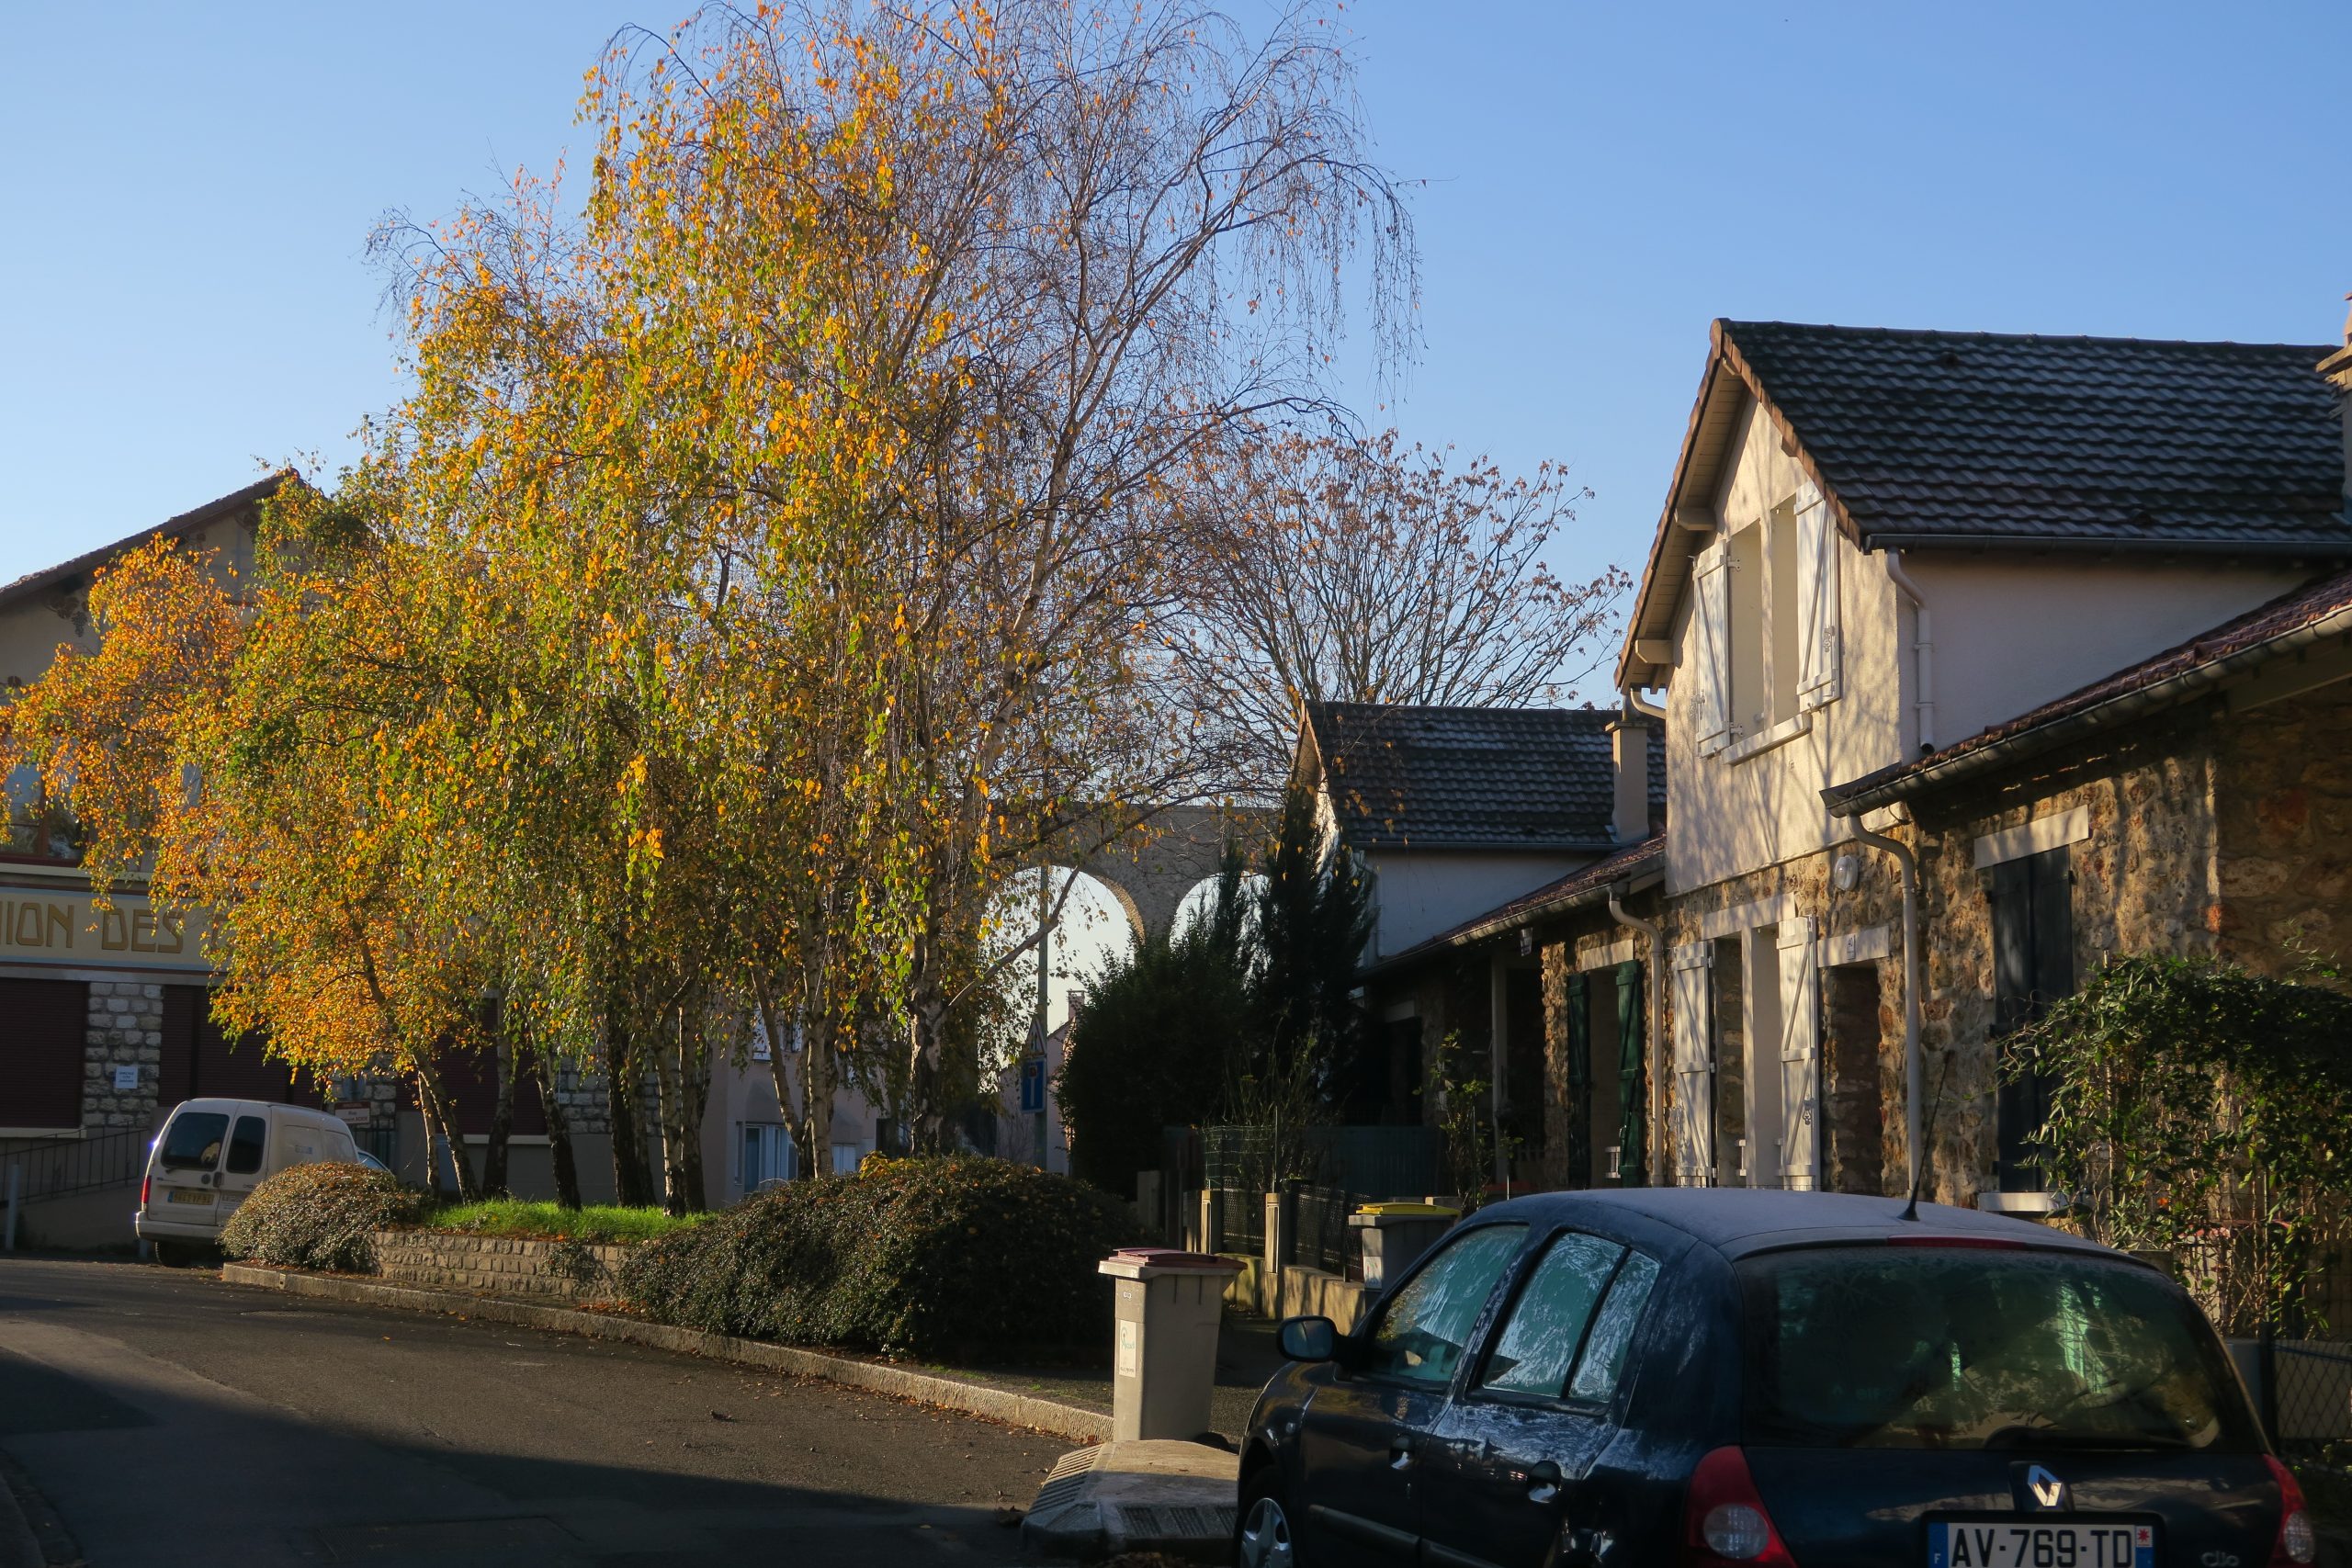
pixel 1629 1077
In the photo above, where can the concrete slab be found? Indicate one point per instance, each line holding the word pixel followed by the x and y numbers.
pixel 1159 1494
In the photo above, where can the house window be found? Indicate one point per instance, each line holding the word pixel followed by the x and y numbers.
pixel 2033 965
pixel 1781 618
pixel 1763 636
pixel 767 1156
pixel 1751 697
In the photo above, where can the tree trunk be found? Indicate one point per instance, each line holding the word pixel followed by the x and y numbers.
pixel 632 1182
pixel 567 1168
pixel 441 1121
pixel 668 1078
pixel 696 1075
pixel 502 1116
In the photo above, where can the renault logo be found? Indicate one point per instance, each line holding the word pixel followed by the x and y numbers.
pixel 2047 1489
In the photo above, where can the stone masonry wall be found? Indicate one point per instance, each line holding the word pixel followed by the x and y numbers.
pixel 125 1030
pixel 2145 881
pixel 1876 899
pixel 2283 785
pixel 497 1265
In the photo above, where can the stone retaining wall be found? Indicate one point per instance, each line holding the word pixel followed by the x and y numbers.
pixel 498 1264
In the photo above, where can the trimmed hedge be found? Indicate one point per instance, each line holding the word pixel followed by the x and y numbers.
pixel 319 1216
pixel 948 1257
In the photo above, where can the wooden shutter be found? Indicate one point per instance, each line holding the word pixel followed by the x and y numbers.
pixel 1711 638
pixel 1693 1115
pixel 1817 632
pixel 1800 1057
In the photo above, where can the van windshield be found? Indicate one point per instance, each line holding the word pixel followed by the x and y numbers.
pixel 193 1141
pixel 1971 1347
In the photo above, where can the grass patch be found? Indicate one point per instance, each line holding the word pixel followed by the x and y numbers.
pixel 596 1222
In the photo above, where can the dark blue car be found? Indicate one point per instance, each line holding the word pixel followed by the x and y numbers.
pixel 1694 1376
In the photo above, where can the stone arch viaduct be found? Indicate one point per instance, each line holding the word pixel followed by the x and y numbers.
pixel 1150 867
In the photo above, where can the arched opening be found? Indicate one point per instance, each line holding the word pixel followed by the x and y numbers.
pixel 1201 897
pixel 1091 922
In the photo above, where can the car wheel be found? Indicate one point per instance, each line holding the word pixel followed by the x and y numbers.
pixel 1263 1539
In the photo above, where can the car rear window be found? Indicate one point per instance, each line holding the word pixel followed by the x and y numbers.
pixel 1975 1348
pixel 193 1140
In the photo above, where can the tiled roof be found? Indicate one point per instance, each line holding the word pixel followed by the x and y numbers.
pixel 2318 610
pixel 1932 437
pixel 1403 777
pixel 1586 885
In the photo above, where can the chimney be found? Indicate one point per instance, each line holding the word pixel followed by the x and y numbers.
pixel 2337 367
pixel 1629 750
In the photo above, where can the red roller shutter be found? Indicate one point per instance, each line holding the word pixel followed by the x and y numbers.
pixel 43 1032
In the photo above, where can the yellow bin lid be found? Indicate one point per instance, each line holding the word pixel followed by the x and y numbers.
pixel 1426 1211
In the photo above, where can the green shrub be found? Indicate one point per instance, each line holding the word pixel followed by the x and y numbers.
pixel 955 1257
pixel 319 1216
pixel 596 1222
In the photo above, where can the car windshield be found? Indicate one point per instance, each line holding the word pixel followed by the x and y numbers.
pixel 194 1141
pixel 1975 1348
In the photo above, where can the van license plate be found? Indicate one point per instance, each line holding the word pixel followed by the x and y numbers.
pixel 190 1195
pixel 1998 1543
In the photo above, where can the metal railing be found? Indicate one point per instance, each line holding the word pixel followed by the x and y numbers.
pixel 58 1168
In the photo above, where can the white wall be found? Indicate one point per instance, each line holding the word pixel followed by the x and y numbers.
pixel 1726 817
pixel 2013 632
pixel 1416 895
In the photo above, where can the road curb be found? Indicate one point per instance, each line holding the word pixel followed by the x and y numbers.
pixel 997 1404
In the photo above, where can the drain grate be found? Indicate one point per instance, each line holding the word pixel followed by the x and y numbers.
pixel 1142 1525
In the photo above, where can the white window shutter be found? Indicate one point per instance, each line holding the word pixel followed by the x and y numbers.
pixel 1711 634
pixel 1693 1118
pixel 1817 629
pixel 1800 1057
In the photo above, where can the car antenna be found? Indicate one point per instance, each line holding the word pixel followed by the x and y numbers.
pixel 1927 1145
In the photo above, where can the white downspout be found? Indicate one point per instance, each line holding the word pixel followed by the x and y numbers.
pixel 1913 1063
pixel 1647 710
pixel 1923 648
pixel 1658 1007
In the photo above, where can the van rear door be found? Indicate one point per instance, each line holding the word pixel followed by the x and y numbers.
pixel 188 1165
pixel 241 1168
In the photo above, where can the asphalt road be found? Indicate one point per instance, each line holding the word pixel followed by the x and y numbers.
pixel 168 1418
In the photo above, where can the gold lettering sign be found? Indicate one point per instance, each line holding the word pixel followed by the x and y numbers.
pixel 51 926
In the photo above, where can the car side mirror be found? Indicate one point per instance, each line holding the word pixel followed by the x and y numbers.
pixel 1308 1338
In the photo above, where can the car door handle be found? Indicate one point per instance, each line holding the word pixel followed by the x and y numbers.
pixel 1400 1454
pixel 1543 1480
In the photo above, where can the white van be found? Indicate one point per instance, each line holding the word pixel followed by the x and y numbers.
pixel 213 1152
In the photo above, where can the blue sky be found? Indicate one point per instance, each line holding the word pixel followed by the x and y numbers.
pixel 185 192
